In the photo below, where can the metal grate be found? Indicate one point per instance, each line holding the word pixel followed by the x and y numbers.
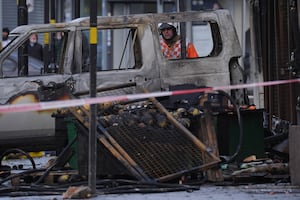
pixel 148 149
pixel 159 152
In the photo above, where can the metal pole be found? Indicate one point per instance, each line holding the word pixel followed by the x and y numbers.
pixel 22 20
pixel 77 9
pixel 104 39
pixel 178 5
pixel 159 6
pixel 52 68
pixel 46 37
pixel 182 30
pixel 243 28
pixel 22 13
pixel 1 24
pixel 93 91
pixel 52 12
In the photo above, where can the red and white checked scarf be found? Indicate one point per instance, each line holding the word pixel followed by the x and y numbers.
pixel 172 52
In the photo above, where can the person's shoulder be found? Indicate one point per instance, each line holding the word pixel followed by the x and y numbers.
pixel 177 37
pixel 40 45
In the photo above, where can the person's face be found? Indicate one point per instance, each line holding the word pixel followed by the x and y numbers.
pixel 33 38
pixel 4 35
pixel 167 33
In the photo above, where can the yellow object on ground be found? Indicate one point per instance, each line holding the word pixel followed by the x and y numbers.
pixel 34 154
pixel 37 154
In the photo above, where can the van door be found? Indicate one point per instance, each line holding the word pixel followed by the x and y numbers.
pixel 128 57
pixel 32 69
pixel 214 39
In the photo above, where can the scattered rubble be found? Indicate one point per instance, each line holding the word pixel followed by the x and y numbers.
pixel 146 115
pixel 81 192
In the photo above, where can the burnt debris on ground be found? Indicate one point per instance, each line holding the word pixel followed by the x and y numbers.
pixel 158 145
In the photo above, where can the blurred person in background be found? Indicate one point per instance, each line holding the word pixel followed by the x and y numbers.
pixel 5 40
pixel 35 49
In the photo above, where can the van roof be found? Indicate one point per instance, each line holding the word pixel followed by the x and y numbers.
pixel 125 20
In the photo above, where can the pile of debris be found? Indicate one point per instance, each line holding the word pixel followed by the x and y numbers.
pixel 145 142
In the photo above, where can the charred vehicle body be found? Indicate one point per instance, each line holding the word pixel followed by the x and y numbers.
pixel 128 52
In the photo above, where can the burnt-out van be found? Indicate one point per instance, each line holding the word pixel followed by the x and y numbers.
pixel 128 52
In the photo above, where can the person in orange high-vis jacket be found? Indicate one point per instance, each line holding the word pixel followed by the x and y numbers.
pixel 171 43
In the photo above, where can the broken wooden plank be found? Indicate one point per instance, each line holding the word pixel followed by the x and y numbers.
pixel 209 138
pixel 281 168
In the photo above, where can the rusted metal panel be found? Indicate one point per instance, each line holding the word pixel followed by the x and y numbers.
pixel 147 149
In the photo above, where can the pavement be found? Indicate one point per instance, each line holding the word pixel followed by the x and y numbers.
pixel 217 193
pixel 205 191
pixel 246 192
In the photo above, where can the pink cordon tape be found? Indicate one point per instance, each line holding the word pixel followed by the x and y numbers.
pixel 79 102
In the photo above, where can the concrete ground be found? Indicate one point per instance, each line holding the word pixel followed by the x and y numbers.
pixel 217 193
pixel 279 191
pixel 250 192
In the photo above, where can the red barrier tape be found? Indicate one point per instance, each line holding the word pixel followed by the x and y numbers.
pixel 78 102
